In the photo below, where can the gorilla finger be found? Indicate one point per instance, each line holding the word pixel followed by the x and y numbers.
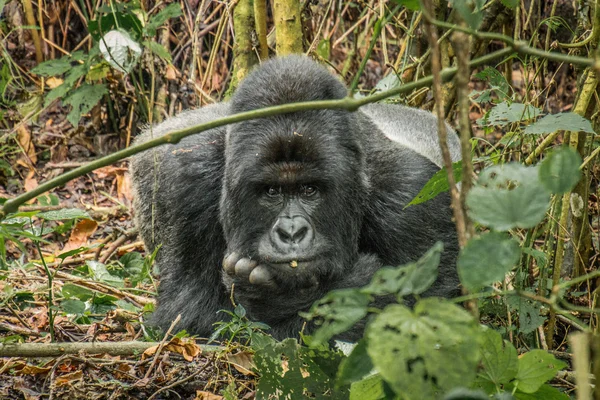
pixel 229 262
pixel 244 267
pixel 260 276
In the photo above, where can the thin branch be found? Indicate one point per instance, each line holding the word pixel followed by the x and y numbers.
pixel 349 104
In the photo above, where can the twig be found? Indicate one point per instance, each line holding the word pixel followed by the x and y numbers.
pixel 184 380
pixel 161 346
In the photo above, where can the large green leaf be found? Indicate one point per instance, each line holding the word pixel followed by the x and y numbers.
pixel 536 368
pixel 560 172
pixel 568 121
pixel 337 312
pixel 413 278
pixel 499 359
pixel 487 259
pixel 508 196
pixel 356 366
pixel 505 113
pixel 83 99
pixel 370 388
pixel 426 352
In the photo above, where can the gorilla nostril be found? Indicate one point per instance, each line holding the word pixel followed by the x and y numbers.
pixel 300 234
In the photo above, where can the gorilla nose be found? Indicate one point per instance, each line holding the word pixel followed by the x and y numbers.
pixel 292 231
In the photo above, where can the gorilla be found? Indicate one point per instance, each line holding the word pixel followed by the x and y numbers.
pixel 281 210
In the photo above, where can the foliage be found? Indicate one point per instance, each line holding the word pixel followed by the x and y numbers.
pixel 120 33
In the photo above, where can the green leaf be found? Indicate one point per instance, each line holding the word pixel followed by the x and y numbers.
pixel 437 184
pixel 510 196
pixel 337 312
pixel 324 49
pixel 99 272
pixel 126 21
pixel 498 85
pixel 70 291
pixel 356 366
pixel 568 121
pixel 413 278
pixel 64 214
pixel 505 113
pixel 412 350
pixel 73 306
pixel 120 50
pixel 413 5
pixel 83 99
pixel 308 375
pixel 536 368
pixel 171 11
pixel 487 259
pixel 530 317
pixel 499 359
pixel 370 388
pixel 157 49
pixel 559 172
pixel 71 79
pixel 545 392
pixel 53 67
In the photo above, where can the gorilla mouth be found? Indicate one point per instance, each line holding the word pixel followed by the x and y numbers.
pixel 293 263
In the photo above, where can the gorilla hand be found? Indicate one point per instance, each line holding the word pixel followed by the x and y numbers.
pixel 246 269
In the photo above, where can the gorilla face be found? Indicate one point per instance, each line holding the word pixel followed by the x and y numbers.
pixel 291 199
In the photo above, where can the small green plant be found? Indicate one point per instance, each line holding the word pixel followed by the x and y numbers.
pixel 121 33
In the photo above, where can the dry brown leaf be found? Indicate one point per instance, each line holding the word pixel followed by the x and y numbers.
pixel 54 82
pixel 24 139
pixel 202 395
pixel 124 187
pixel 68 378
pixel 243 362
pixel 80 234
pixel 30 182
pixel 186 347
pixel 171 73
pixel 32 370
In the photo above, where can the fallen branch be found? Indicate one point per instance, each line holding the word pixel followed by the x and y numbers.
pixel 59 349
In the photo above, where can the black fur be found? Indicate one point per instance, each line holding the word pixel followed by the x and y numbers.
pixel 205 199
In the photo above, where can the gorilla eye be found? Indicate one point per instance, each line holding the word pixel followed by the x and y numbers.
pixel 309 190
pixel 273 191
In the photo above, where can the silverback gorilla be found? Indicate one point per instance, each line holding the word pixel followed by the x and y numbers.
pixel 287 208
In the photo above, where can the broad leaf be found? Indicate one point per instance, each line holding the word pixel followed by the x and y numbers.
pixel 120 50
pixel 412 350
pixel 499 359
pixel 560 172
pixel 370 388
pixel 505 113
pixel 356 366
pixel 487 259
pixel 337 312
pixel 83 99
pixel 568 121
pixel 536 368
pixel 509 196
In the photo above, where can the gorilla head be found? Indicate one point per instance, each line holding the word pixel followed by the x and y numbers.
pixel 294 182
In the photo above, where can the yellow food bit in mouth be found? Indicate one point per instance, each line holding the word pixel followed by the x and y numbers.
pixel 293 264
